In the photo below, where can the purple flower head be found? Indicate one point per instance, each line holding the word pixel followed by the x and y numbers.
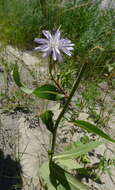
pixel 53 45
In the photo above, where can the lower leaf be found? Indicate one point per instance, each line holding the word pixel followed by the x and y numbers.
pixel 59 179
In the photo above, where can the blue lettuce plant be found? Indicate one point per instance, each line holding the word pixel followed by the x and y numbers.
pixel 56 176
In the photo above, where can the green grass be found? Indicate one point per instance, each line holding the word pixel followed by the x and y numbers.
pixel 89 28
pixel 20 22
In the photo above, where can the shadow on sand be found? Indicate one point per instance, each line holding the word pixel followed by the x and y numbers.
pixel 10 173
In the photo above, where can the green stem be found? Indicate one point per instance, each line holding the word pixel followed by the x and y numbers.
pixel 65 108
pixel 52 78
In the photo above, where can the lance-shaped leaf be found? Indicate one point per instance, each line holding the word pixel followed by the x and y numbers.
pixel 17 80
pixel 59 179
pixel 45 174
pixel 69 163
pixel 79 151
pixel 47 118
pixel 47 91
pixel 92 128
pixel 16 76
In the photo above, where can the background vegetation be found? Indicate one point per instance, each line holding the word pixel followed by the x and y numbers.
pixel 90 28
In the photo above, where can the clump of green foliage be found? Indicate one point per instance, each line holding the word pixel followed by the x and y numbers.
pixel 20 21
pixel 89 27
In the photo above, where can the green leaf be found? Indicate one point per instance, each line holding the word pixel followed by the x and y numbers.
pixel 16 76
pixel 48 91
pixel 76 152
pixel 92 128
pixel 17 80
pixel 45 173
pixel 65 179
pixel 47 118
pixel 26 90
pixel 59 179
pixel 69 163
pixel 60 96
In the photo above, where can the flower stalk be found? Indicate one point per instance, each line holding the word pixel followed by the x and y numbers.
pixel 53 79
pixel 75 87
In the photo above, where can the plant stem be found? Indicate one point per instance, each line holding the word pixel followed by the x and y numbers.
pixel 52 78
pixel 65 108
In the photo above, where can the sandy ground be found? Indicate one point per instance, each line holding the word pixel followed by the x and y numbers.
pixel 28 145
